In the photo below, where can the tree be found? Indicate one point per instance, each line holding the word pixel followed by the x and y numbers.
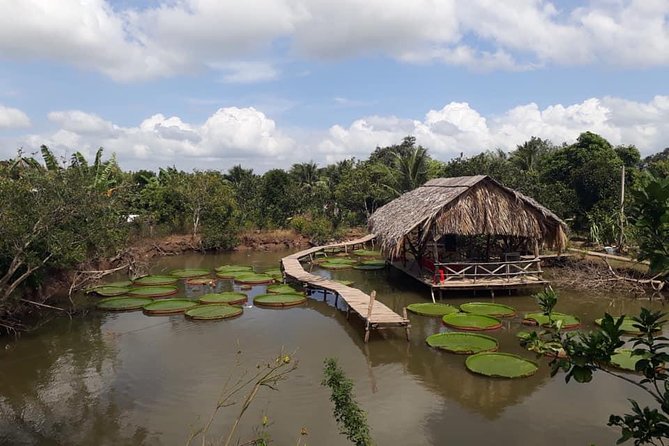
pixel 278 198
pixel 245 185
pixel 528 156
pixel 407 172
pixel 650 215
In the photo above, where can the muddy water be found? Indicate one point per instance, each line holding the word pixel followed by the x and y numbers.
pixel 113 379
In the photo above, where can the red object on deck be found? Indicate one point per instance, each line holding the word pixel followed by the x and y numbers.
pixel 441 275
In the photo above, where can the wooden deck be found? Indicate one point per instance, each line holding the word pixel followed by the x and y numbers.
pixel 466 283
pixel 376 315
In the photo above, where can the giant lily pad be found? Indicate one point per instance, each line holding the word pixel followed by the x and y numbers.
pixel 568 321
pixel 501 365
pixel 156 280
pixel 122 303
pixel 230 298
pixel 624 359
pixel 169 306
pixel 471 322
pixel 367 253
pixel 488 309
pixel 628 325
pixel 229 271
pixel 253 279
pixel 109 291
pixel 431 309
pixel 369 265
pixel 281 288
pixel 275 273
pixel 462 343
pixel 213 312
pixel 279 300
pixel 345 282
pixel 187 273
pixel 153 291
pixel 330 265
pixel 231 268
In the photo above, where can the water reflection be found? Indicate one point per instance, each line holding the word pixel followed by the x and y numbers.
pixel 130 379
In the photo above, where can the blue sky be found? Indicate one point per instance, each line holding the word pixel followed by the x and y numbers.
pixel 207 84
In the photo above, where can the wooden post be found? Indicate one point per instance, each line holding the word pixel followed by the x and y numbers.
pixel 407 328
pixel 432 293
pixel 536 248
pixel 372 297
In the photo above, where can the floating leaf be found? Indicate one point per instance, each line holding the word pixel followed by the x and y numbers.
pixel 213 312
pixel 431 309
pixel 501 365
pixel 462 343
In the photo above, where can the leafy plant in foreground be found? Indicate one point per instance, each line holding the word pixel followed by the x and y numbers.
pixel 586 353
pixel 351 418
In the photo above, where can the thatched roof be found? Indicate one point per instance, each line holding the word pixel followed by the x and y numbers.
pixel 465 206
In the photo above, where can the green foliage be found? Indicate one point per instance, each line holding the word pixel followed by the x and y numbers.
pixel 319 229
pixel 587 353
pixel 650 214
pixel 351 418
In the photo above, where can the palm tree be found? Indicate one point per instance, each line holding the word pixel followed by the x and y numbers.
pixel 307 175
pixel 408 171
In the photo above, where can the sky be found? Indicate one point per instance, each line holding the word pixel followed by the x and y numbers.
pixel 207 84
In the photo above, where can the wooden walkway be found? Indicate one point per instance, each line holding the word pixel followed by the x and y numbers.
pixel 376 315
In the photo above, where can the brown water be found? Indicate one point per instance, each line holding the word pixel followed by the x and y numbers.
pixel 131 379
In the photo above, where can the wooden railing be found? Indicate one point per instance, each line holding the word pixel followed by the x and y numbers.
pixel 444 272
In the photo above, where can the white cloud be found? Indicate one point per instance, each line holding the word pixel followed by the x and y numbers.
pixel 11 118
pixel 246 135
pixel 242 134
pixel 177 37
pixel 457 127
pixel 247 72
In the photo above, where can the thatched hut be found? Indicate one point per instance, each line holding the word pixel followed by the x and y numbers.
pixel 465 221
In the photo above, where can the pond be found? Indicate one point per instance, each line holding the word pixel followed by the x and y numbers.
pixel 126 378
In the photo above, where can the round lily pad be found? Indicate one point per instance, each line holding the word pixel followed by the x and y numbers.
pixel 624 359
pixel 275 273
pixel 488 309
pixel 628 325
pixel 122 303
pixel 213 312
pixel 279 300
pixel 471 322
pixel 153 291
pixel 232 268
pixel 187 273
pixel 340 260
pixel 156 280
pixel 169 306
pixel 501 365
pixel 568 321
pixel 462 343
pixel 199 281
pixel 367 253
pixel 345 282
pixel 330 265
pixel 281 288
pixel 229 297
pixel 431 309
pixel 253 279
pixel 110 291
pixel 370 265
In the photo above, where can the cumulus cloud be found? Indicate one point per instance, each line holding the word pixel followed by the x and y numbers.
pixel 229 135
pixel 246 135
pixel 171 38
pixel 11 118
pixel 458 128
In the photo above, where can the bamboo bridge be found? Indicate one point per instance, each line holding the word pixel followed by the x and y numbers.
pixel 376 315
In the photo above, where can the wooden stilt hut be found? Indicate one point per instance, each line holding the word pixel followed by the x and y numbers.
pixel 468 233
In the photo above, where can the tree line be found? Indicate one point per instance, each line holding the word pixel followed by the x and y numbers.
pixel 57 213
